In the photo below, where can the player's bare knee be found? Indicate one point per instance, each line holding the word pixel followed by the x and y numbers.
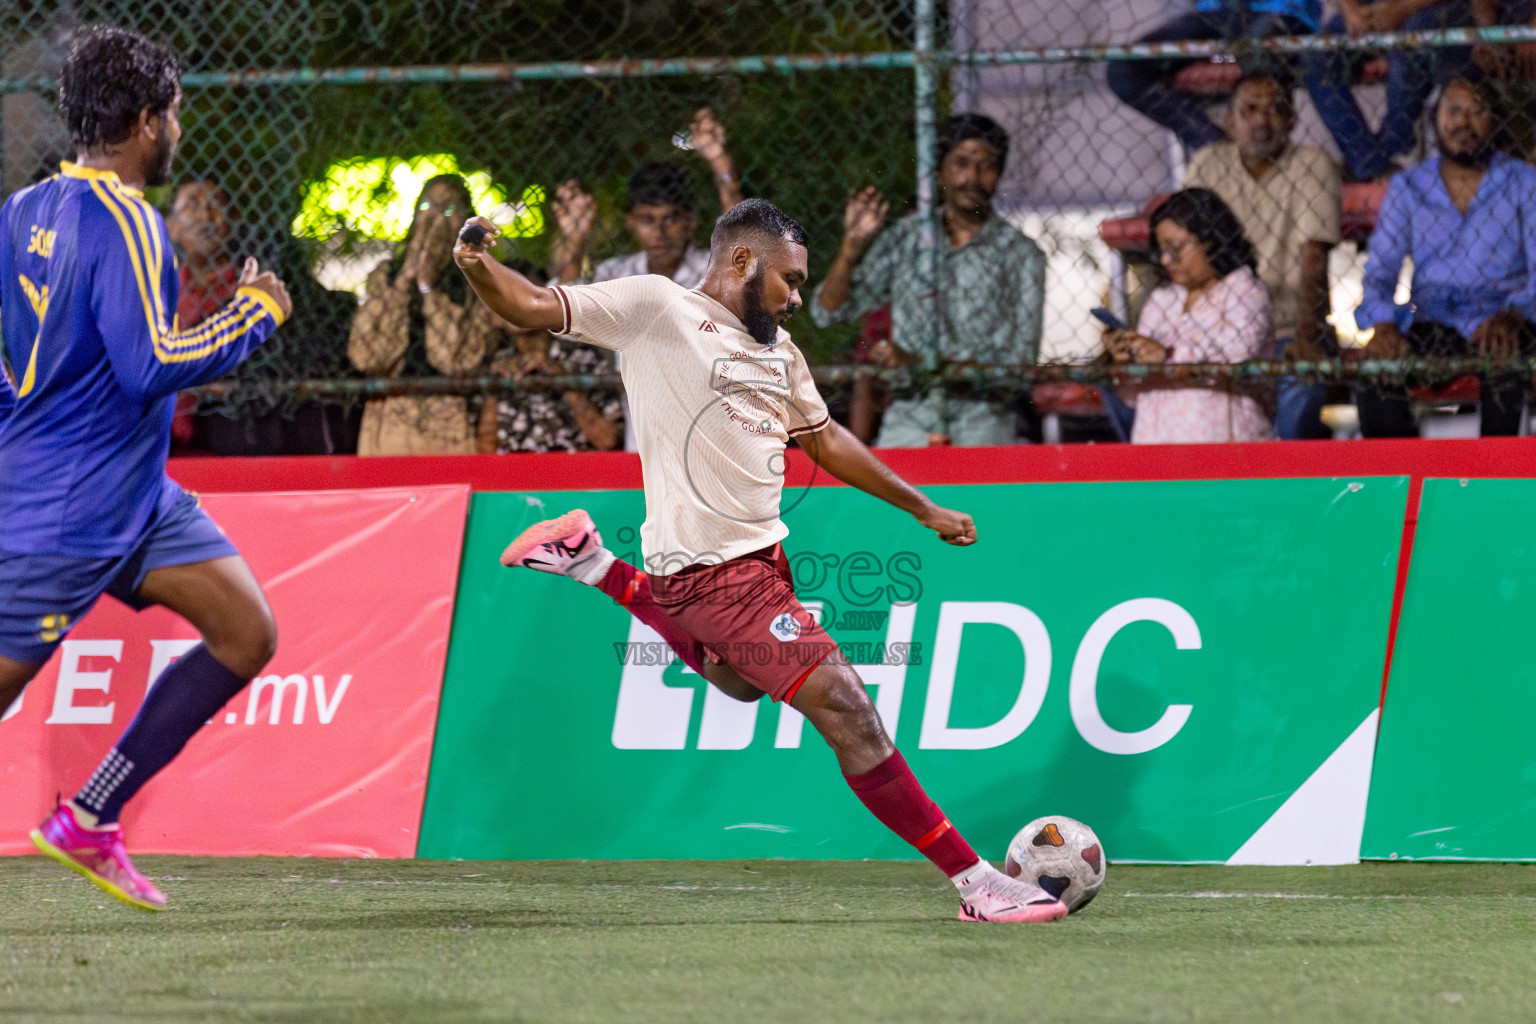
pixel 835 701
pixel 244 643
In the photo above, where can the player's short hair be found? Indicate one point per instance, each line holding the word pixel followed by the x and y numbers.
pixel 660 185
pixel 757 216
pixel 959 127
pixel 110 75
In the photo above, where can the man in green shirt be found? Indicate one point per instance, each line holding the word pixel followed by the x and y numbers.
pixel 991 290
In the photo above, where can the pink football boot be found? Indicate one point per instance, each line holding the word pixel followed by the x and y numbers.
pixel 567 546
pixel 98 854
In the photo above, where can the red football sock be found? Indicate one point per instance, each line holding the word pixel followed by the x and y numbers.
pixel 632 588
pixel 893 794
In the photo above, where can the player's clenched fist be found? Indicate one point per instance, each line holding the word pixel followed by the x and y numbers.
pixel 252 276
pixel 952 527
pixel 476 234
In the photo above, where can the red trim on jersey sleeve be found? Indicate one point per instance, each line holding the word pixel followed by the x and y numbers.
pixel 814 427
pixel 565 304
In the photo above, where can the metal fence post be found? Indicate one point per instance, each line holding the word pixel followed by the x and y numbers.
pixel 926 81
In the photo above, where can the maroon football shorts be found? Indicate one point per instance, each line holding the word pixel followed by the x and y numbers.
pixel 745 615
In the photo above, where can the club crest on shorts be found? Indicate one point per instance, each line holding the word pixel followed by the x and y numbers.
pixel 785 627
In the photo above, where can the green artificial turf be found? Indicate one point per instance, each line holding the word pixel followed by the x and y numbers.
pixel 317 940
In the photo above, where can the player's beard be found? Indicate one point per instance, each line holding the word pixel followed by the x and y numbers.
pixel 761 324
pixel 165 153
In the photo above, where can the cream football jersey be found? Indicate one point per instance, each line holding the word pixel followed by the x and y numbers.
pixel 712 411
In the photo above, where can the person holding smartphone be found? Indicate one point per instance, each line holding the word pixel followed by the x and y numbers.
pixel 417 321
pixel 1212 308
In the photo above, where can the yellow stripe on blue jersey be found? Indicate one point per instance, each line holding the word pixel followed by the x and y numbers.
pixel 108 350
pixel 135 220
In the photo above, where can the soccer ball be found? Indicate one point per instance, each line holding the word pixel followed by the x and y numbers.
pixel 1062 856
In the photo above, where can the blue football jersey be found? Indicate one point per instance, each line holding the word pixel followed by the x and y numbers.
pixel 88 291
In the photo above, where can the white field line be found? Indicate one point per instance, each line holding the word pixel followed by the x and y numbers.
pixel 1303 896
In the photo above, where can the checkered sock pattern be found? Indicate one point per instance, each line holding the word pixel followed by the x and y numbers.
pixel 190 692
pixel 109 775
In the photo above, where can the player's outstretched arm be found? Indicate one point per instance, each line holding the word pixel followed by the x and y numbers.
pixel 509 294
pixel 837 451
pixel 150 361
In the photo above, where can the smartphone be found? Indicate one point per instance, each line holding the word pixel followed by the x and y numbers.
pixel 1108 319
pixel 473 235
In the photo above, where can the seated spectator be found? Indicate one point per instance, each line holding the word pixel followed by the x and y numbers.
pixel 1411 75
pixel 659 213
pixel 200 225
pixel 201 222
pixel 991 290
pixel 1147 85
pixel 1467 219
pixel 1213 309
pixel 548 420
pixel 418 321
pixel 1286 197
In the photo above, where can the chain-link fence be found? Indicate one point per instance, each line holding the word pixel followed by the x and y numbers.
pixel 312 130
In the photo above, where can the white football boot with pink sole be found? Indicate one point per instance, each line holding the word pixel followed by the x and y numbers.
pixel 986 894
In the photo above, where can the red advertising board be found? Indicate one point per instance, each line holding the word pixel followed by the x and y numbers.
pixel 326 753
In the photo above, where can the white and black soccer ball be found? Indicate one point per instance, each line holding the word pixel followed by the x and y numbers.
pixel 1062 856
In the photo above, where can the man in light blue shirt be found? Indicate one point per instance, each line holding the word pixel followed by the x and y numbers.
pixel 1411 75
pixel 1467 218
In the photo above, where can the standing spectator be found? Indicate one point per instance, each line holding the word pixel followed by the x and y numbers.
pixel 1213 309
pixel 1286 197
pixel 1467 218
pixel 659 213
pixel 547 420
pixel 1147 85
pixel 1411 75
pixel 200 225
pixel 417 321
pixel 991 290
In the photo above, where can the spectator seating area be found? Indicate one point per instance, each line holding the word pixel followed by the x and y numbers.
pixel 1217 77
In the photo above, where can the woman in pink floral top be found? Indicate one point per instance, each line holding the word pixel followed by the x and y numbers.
pixel 1213 309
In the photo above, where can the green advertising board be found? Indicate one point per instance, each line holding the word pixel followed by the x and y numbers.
pixel 1190 667
pixel 1456 765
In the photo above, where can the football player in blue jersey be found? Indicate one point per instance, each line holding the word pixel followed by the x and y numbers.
pixel 7 393
pixel 88 290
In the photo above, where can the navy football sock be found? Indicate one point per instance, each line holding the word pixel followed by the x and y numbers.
pixel 185 697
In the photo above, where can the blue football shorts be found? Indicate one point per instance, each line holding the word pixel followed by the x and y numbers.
pixel 42 597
